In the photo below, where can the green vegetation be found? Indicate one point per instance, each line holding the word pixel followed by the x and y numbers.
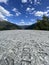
pixel 41 24
pixel 5 25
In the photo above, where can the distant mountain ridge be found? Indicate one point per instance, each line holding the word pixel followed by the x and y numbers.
pixel 5 25
pixel 39 25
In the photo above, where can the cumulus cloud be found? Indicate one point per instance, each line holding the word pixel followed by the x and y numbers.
pixel 24 1
pixel 47 7
pixel 3 1
pixel 22 22
pixel 16 11
pixel 33 20
pixel 33 12
pixel 41 13
pixel 30 1
pixel 29 9
pixel 29 23
pixel 4 13
pixel 2 17
pixel 37 2
pixel 26 16
pixel 47 11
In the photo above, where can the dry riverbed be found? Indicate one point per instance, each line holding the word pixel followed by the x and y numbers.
pixel 24 47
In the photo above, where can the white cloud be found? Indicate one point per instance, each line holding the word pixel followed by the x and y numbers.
pixel 26 16
pixel 4 13
pixel 33 12
pixel 24 1
pixel 37 2
pixel 41 13
pixel 30 1
pixel 47 7
pixel 47 10
pixel 32 20
pixel 3 1
pixel 29 23
pixel 22 22
pixel 2 17
pixel 16 11
pixel 29 9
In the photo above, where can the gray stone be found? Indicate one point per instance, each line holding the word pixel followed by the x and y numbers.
pixel 24 47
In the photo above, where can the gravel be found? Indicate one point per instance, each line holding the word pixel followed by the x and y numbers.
pixel 24 47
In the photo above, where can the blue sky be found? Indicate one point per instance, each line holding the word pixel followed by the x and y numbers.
pixel 23 12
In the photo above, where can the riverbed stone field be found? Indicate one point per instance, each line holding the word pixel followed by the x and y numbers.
pixel 24 47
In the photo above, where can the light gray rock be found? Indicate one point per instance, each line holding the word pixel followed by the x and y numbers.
pixel 24 47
